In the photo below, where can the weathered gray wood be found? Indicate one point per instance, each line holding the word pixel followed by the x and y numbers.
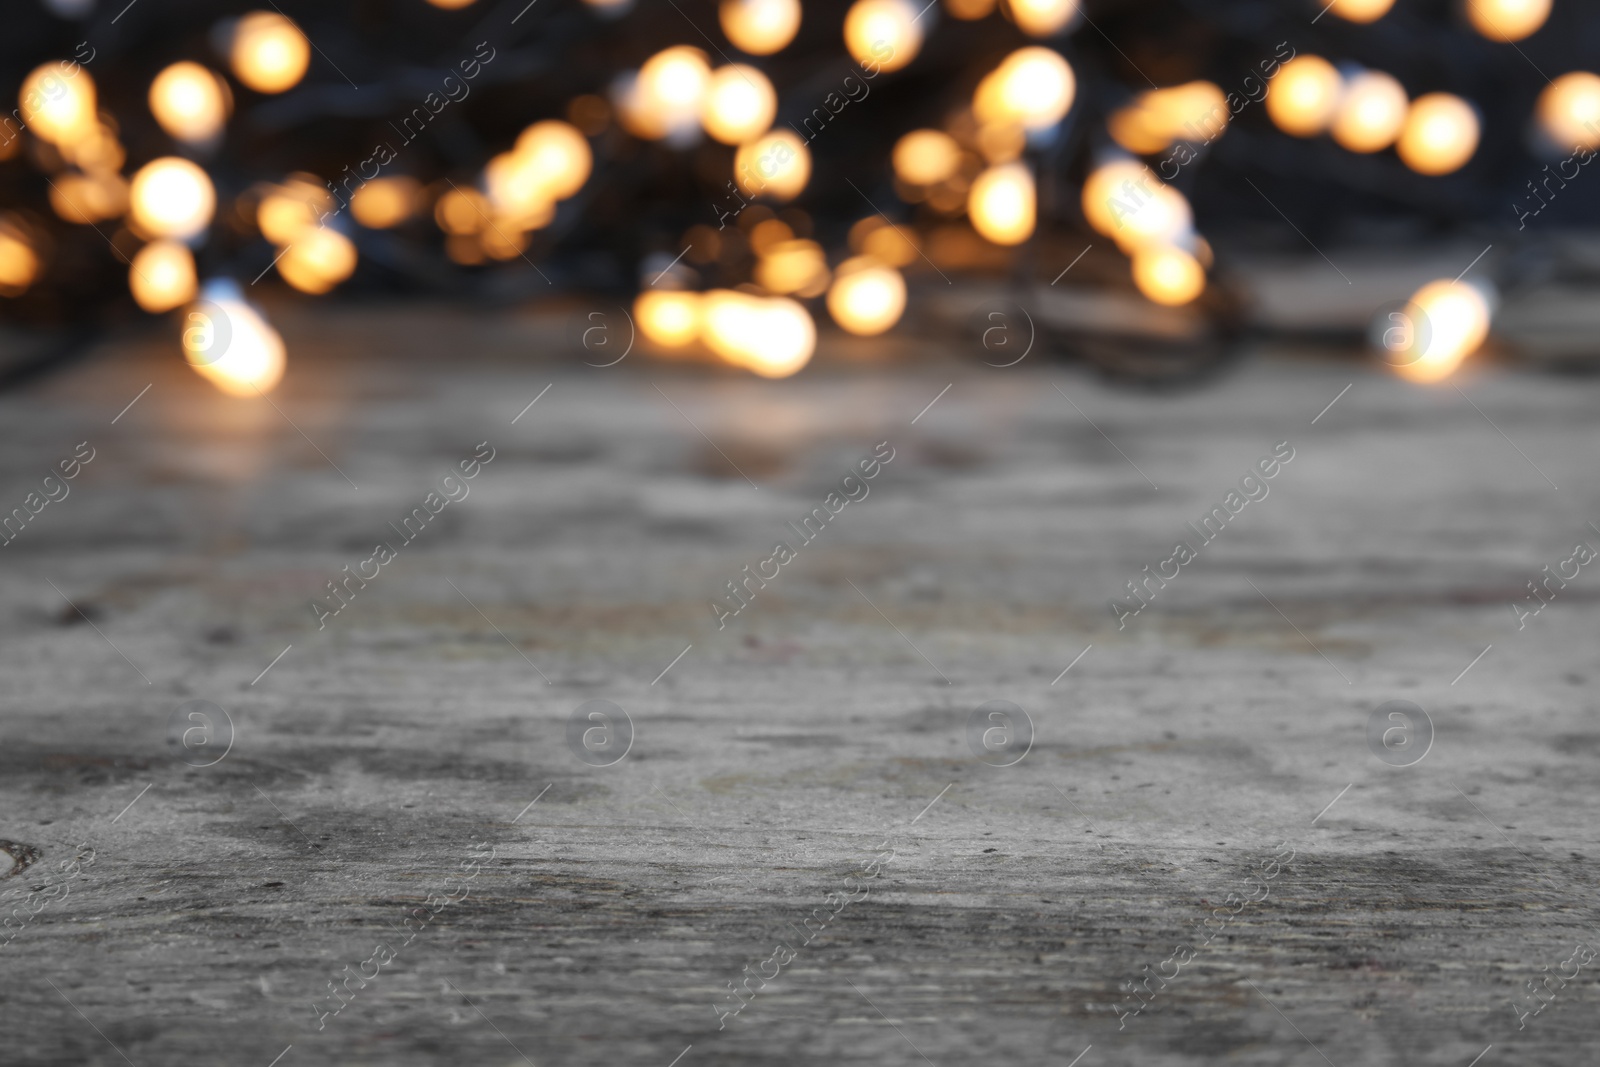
pixel 773 759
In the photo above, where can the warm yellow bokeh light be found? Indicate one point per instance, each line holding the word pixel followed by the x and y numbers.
pixel 162 276
pixel 969 10
pixel 1126 201
pixel 867 297
pixel 1168 275
pixel 887 33
pixel 385 202
pixel 668 317
pixel 1440 134
pixel 772 336
pixel 891 245
pixel 740 104
pixel 777 165
pixel 452 5
pixel 793 266
pixel 251 357
pixel 1042 18
pixel 1361 10
pixel 285 210
pixel 558 153
pixel 1002 204
pixel 269 53
pixel 462 212
pixel 1451 322
pixel 1569 111
pixel 19 263
pixel 1506 20
pixel 1036 87
pixel 517 191
pixel 926 157
pixel 189 102
pixel 318 260
pixel 760 27
pixel 1196 112
pixel 172 197
pixel 1302 96
pixel 1371 112
pixel 672 86
pixel 85 199
pixel 57 108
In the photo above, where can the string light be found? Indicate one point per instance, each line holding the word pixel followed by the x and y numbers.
pixel 672 87
pixel 1371 112
pixel 760 27
pixel 383 203
pixel 882 32
pixel 1449 321
pixel 1002 204
pixel 172 197
pixel 668 317
pixel 162 276
pixel 1506 20
pixel 189 102
pixel 319 259
pixel 1196 112
pixel 1440 134
pixel 1569 111
pixel 1303 95
pixel 230 344
pixel 926 157
pixel 19 262
pixel 776 165
pixel 1361 10
pixel 1168 275
pixel 270 54
pixel 740 104
pixel 867 297
pixel 1042 18
pixel 58 109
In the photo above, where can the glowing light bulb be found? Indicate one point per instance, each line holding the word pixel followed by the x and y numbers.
pixel 773 337
pixel 385 202
pixel 558 154
pixel 792 266
pixel 1126 201
pixel 668 317
pixel 1371 112
pixel 230 344
pixel 1446 321
pixel 298 204
pixel 926 157
pixel 88 198
pixel 270 54
pixel 162 276
pixel 1569 111
pixel 776 165
pixel 1361 10
pixel 57 108
pixel 462 212
pixel 867 297
pixel 1042 18
pixel 760 27
pixel 189 102
pixel 19 263
pixel 1036 87
pixel 318 260
pixel 1196 112
pixel 1168 275
pixel 1002 204
pixel 885 32
pixel 1303 95
pixel 672 85
pixel 740 104
pixel 1506 20
pixel 172 197
pixel 1440 134
pixel 519 193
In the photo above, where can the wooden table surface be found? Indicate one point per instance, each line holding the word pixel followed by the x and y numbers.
pixel 811 760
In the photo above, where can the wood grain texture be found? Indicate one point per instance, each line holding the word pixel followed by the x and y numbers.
pixel 779 755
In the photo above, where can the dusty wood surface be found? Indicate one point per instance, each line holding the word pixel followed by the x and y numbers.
pixel 779 757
